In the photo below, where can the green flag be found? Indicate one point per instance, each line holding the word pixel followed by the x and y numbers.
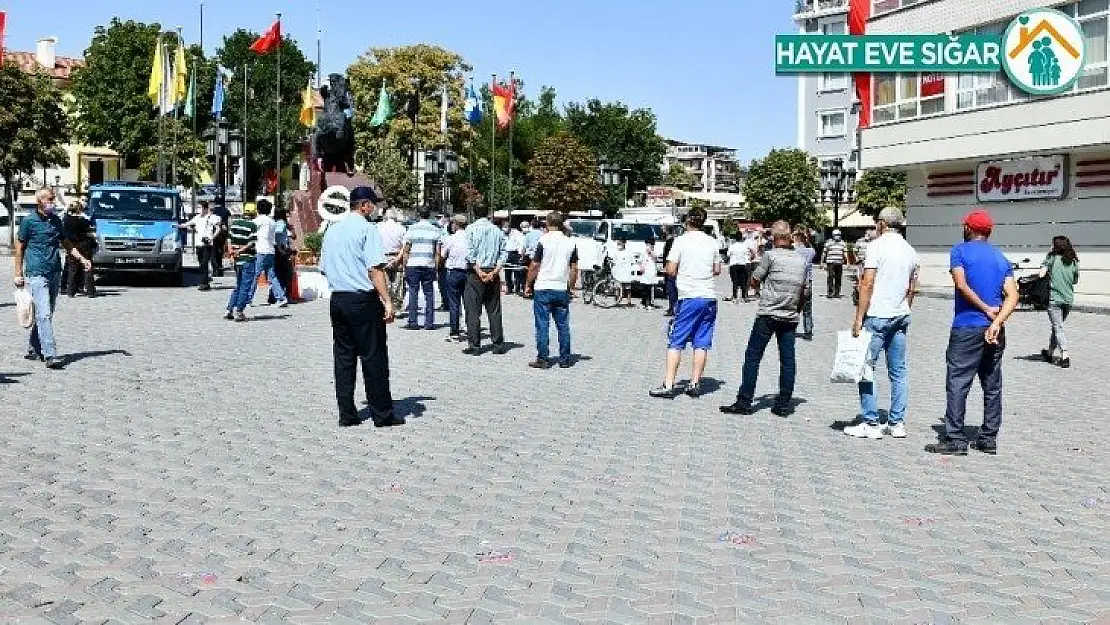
pixel 191 98
pixel 384 110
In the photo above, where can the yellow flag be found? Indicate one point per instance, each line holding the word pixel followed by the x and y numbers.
pixel 154 87
pixel 308 106
pixel 180 72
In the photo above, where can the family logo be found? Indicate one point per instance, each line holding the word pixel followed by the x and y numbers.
pixel 1044 51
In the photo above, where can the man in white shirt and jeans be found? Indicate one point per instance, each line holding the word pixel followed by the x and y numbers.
pixel 886 293
pixel 266 247
pixel 551 276
pixel 694 261
pixel 205 226
pixel 393 237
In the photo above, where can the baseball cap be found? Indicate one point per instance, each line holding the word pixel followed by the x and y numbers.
pixel 360 194
pixel 980 221
pixel 892 216
pixel 249 209
pixel 836 233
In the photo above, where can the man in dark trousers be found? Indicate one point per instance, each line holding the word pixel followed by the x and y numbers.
pixel 669 283
pixel 219 244
pixel 353 261
pixel 80 231
pixel 485 256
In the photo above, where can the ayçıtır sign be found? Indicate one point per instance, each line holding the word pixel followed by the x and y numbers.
pixel 1038 178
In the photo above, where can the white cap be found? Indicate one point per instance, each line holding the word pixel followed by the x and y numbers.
pixel 836 232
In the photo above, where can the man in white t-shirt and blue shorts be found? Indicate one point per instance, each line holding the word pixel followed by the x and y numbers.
pixel 694 262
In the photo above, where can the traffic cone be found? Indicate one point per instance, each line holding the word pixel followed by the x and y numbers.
pixel 263 279
pixel 295 287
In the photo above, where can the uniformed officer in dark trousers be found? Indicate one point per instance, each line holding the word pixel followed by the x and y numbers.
pixel 353 261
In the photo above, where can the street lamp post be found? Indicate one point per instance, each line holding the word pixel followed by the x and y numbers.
pixel 836 183
pixel 442 163
pixel 219 143
pixel 608 176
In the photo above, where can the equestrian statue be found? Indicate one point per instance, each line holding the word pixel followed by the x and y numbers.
pixel 334 139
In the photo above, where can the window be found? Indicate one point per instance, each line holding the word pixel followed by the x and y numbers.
pixel 886 6
pixel 980 90
pixel 832 124
pixel 1093 17
pixel 899 96
pixel 832 28
pixel 832 82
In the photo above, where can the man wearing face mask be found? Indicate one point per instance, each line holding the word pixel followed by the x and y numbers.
pixel 38 266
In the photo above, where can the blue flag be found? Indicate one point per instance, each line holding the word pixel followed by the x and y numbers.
pixel 218 96
pixel 473 108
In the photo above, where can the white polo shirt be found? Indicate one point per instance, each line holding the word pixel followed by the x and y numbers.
pixel 895 263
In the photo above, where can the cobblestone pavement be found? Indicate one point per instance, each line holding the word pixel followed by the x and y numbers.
pixel 183 469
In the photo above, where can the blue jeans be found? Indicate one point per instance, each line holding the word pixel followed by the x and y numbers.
pixel 246 281
pixel 889 335
pixel 547 305
pixel 264 265
pixel 456 284
pixel 44 292
pixel 417 278
pixel 970 356
pixel 763 329
pixel 670 285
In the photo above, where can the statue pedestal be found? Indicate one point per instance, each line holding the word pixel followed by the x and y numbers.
pixel 305 214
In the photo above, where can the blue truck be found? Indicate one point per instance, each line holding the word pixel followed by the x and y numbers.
pixel 137 229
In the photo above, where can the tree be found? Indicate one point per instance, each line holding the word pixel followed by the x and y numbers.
pixel 33 127
pixel 420 71
pixel 110 91
pixel 387 167
pixel 878 188
pixel 469 196
pixel 191 161
pixel 258 104
pixel 625 139
pixel 678 176
pixel 783 185
pixel 563 174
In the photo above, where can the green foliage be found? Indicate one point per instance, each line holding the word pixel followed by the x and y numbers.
pixel 878 188
pixel 314 242
pixel 33 125
pixel 678 176
pixel 783 185
pixel 111 89
pixel 191 160
pixel 563 174
pixel 625 139
pixel 386 166
pixel 260 98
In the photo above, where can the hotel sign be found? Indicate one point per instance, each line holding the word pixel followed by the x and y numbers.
pixel 1038 178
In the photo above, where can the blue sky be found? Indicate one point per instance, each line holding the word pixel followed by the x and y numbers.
pixel 704 66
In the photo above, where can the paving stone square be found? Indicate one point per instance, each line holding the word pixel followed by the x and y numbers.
pixel 185 469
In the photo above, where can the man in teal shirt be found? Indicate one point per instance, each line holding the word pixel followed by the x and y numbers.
pixel 39 268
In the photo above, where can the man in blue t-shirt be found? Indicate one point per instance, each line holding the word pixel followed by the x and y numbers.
pixel 986 295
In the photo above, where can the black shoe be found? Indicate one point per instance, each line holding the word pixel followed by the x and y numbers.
pixel 985 446
pixel 539 363
pixel 500 349
pixel 948 448
pixel 694 391
pixel 1065 363
pixel 53 363
pixel 388 422
pixel 1046 354
pixel 738 408
pixel 348 423
pixel 33 355
pixel 564 364
pixel 782 412
pixel 472 351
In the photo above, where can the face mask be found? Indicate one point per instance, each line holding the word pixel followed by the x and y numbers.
pixel 49 208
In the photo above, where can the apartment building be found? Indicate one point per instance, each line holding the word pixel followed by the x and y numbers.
pixel 715 168
pixel 960 137
pixel 827 121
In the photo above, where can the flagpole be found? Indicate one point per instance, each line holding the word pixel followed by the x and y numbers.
pixel 277 145
pixel 511 106
pixel 319 36
pixel 173 156
pixel 492 147
pixel 246 99
pixel 161 174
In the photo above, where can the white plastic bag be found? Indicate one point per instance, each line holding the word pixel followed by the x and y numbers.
pixel 851 364
pixel 24 307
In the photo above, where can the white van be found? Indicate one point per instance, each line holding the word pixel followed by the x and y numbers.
pixel 6 222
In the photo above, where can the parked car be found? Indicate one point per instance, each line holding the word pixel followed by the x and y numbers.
pixel 6 226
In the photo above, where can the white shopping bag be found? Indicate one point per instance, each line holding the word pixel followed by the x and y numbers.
pixel 851 364
pixel 24 308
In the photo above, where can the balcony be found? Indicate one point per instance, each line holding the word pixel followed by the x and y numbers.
pixel 810 8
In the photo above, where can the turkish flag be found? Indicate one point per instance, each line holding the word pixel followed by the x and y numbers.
pixel 859 11
pixel 269 41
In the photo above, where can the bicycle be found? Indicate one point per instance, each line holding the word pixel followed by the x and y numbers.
pixel 607 291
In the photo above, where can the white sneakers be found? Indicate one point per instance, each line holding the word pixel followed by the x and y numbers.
pixel 876 431
pixel 865 430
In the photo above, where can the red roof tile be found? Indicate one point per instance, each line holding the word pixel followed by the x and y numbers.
pixel 63 65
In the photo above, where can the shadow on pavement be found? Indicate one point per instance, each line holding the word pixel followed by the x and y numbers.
pixel 411 406
pixel 69 359
pixel 10 378
pixel 268 317
pixel 1032 358
pixel 840 425
pixel 970 432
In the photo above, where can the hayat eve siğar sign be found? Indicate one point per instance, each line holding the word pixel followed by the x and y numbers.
pixel 1039 178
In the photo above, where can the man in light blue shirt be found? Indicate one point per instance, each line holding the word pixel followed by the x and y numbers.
pixel 353 261
pixel 420 256
pixel 485 255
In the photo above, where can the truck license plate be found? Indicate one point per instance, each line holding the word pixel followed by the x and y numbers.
pixel 130 261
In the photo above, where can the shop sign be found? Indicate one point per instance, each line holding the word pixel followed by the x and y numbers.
pixel 1037 178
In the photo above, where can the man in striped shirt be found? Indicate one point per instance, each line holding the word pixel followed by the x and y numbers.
pixel 485 256
pixel 420 256
pixel 833 257
pixel 242 235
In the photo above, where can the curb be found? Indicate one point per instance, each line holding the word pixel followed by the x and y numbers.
pixel 1094 309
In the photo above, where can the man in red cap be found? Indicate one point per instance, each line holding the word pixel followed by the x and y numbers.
pixel 986 295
